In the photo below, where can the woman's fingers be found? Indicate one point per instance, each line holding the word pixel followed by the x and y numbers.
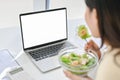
pixel 72 76
pixel 75 77
pixel 88 46
pixel 91 45
pixel 95 46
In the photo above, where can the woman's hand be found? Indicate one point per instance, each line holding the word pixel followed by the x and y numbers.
pixel 75 77
pixel 91 45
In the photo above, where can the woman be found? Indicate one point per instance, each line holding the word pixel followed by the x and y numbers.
pixel 103 19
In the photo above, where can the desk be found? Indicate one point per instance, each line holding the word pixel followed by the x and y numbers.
pixel 10 38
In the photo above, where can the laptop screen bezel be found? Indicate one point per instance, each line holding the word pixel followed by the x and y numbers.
pixel 46 44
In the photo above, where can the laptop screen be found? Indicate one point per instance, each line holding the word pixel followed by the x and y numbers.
pixel 44 27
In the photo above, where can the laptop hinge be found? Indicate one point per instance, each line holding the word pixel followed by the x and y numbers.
pixel 29 50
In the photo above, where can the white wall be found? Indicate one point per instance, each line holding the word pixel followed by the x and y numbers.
pixel 76 8
pixel 39 5
pixel 10 10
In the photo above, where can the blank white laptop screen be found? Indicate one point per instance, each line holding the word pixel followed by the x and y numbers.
pixel 43 27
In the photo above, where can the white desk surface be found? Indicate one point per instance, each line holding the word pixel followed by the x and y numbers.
pixel 10 38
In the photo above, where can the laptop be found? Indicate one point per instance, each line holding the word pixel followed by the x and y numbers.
pixel 44 34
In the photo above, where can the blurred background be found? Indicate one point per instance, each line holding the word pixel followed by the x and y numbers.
pixel 10 9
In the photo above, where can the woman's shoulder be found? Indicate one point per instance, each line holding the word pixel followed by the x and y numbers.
pixel 109 68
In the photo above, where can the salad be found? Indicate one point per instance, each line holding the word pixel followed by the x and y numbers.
pixel 83 32
pixel 77 62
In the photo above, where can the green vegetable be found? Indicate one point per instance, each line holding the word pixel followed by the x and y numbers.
pixel 73 54
pixel 79 73
pixel 65 60
pixel 85 56
pixel 83 67
pixel 78 62
pixel 83 32
pixel 91 62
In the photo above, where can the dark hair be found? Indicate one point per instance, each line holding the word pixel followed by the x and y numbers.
pixel 108 14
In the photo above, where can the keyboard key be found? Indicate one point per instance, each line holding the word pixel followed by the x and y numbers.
pixel 45 52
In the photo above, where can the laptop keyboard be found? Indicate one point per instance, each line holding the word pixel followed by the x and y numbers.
pixel 45 52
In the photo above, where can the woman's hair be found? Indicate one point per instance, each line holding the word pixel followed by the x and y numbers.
pixel 108 15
